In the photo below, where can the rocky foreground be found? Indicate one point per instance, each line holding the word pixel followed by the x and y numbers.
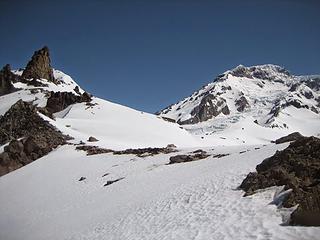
pixel 29 136
pixel 298 168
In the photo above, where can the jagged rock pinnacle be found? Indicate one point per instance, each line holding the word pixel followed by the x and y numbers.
pixel 39 66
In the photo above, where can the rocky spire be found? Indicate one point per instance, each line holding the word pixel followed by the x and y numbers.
pixel 6 79
pixel 39 66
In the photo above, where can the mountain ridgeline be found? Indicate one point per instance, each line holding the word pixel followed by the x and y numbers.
pixel 261 92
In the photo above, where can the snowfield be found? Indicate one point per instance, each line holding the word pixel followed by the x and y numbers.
pixel 196 200
pixel 119 127
pixel 152 200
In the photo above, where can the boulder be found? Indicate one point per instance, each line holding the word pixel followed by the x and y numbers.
pixel 92 139
pixel 194 156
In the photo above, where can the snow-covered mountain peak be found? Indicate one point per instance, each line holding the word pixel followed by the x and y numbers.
pixel 265 72
pixel 263 93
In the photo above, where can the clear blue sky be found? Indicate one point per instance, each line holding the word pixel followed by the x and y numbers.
pixel 148 54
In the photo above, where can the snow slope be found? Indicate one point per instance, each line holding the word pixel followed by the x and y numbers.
pixel 196 200
pixel 116 126
pixel 119 127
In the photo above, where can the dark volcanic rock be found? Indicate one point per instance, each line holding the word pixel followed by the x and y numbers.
pixel 242 104
pixel 22 120
pixel 60 100
pixel 296 103
pixel 6 80
pixel 38 136
pixel 169 119
pixel 144 152
pixel 140 152
pixel 209 107
pixel 241 71
pixel 92 139
pixel 289 138
pixel 93 150
pixel 258 72
pixel 39 66
pixel 82 179
pixel 77 90
pixel 196 155
pixel 112 181
pixel 307 94
pixel 298 168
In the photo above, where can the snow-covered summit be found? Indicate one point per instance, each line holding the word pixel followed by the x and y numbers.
pixel 265 96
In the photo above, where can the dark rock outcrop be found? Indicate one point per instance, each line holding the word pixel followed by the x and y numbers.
pixel 294 102
pixel 261 72
pixel 298 168
pixel 140 152
pixel 196 155
pixel 34 82
pixel 60 100
pixel 82 179
pixel 241 71
pixel 242 104
pixel 169 119
pixel 39 66
pixel 92 139
pixel 22 120
pixel 6 80
pixel 209 107
pixel 144 152
pixel 112 181
pixel 93 150
pixel 278 106
pixel 38 136
pixel 289 138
